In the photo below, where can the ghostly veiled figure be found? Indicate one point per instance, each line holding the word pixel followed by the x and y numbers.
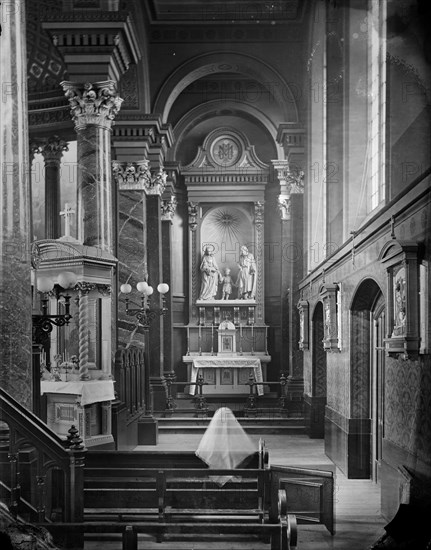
pixel 225 444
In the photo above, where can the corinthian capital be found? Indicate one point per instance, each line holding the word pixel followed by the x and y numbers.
pixel 284 206
pixel 52 150
pixel 95 103
pixel 168 208
pixel 137 176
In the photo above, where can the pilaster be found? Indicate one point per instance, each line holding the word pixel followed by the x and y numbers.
pixel 15 285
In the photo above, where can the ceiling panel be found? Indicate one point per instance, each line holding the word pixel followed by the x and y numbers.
pixel 246 11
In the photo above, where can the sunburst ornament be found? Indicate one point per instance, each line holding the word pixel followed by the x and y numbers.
pixel 227 224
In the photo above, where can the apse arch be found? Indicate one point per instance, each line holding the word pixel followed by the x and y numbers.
pixel 210 109
pixel 207 64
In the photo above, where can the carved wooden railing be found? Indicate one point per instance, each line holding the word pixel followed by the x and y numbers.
pixel 53 480
pixel 132 381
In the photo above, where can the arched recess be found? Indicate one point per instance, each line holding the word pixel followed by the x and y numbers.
pixel 367 329
pixel 209 64
pixel 315 404
pixel 212 109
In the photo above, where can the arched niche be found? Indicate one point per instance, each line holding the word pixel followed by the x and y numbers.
pixel 226 227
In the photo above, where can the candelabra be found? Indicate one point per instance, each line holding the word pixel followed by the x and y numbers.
pixel 44 323
pixel 145 314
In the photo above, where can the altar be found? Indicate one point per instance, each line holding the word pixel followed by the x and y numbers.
pixel 226 375
pixel 86 404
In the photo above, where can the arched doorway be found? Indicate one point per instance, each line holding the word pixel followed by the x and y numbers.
pixel 317 401
pixel 366 381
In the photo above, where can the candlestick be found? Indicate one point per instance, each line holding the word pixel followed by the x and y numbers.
pixel 212 339
pixel 252 339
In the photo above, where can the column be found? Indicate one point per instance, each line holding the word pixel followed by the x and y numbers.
pixel 155 276
pixel 290 203
pixel 15 286
pixel 168 210
pixel 131 240
pixel 93 109
pixel 52 151
pixel 193 221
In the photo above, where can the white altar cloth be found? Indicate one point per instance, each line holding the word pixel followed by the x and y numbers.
pixel 91 391
pixel 229 363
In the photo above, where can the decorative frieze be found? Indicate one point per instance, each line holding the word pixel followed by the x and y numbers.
pixel 259 210
pixel 304 326
pixel 193 215
pixel 329 295
pixel 95 103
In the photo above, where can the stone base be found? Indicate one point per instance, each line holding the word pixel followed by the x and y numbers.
pixel 148 431
pixel 348 444
pixel 295 396
pixel 158 394
pixel 314 414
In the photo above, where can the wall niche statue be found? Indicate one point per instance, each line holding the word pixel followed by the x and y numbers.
pixel 402 262
pixel 210 275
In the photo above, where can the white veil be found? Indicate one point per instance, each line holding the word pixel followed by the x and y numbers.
pixel 225 444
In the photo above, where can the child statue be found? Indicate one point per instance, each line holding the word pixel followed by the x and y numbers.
pixel 227 283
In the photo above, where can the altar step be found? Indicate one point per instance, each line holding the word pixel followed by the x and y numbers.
pixel 261 424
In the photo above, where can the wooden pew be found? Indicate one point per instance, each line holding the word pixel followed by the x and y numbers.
pixel 281 533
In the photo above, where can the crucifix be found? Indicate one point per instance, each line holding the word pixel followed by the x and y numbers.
pixel 67 213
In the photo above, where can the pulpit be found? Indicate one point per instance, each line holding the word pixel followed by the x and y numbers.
pixel 86 404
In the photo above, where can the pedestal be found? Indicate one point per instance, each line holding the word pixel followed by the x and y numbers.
pixel 87 405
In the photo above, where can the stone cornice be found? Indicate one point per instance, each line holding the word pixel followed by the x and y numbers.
pixel 94 35
pixel 227 179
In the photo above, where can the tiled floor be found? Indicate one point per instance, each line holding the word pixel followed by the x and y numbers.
pixel 357 502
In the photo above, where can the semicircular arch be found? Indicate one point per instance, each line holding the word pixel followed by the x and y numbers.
pixel 207 64
pixel 211 109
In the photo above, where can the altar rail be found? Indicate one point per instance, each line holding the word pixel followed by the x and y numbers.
pixel 251 401
pixel 45 477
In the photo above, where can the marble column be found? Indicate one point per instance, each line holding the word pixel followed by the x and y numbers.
pixel 131 240
pixel 93 109
pixel 15 286
pixel 155 275
pixel 168 210
pixel 52 151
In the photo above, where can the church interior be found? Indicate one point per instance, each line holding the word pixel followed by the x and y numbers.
pixel 212 204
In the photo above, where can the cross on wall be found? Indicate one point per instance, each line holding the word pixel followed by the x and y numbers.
pixel 67 213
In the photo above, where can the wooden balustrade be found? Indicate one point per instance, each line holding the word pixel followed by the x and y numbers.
pixel 251 402
pixel 131 379
pixel 132 388
pixel 51 456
